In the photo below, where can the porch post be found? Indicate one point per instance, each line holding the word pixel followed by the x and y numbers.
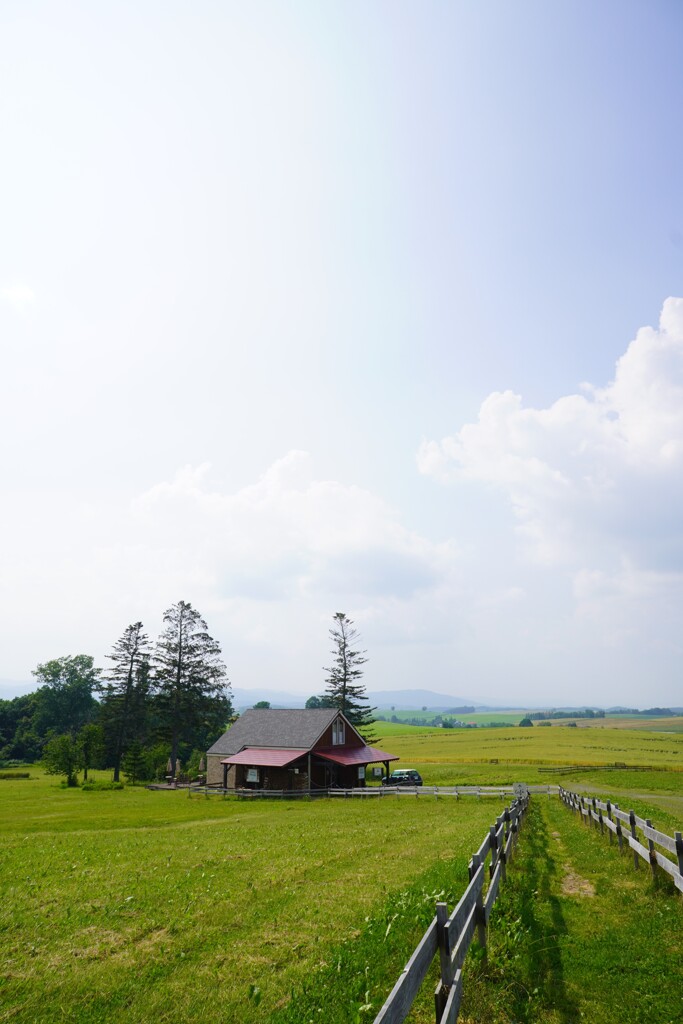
pixel 309 771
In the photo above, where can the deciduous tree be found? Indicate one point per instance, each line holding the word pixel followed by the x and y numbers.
pixel 63 755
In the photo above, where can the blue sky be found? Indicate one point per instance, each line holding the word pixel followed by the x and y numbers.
pixel 264 267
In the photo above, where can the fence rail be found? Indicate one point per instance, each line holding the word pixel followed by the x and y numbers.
pixel 450 935
pixel 371 792
pixel 591 810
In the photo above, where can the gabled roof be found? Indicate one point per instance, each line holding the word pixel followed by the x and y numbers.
pixel 276 727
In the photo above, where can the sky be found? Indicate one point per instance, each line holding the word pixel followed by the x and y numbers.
pixel 361 307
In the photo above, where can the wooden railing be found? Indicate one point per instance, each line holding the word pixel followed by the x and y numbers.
pixel 609 816
pixel 450 936
pixel 375 792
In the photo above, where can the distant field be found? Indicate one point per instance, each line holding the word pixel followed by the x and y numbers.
pixel 483 718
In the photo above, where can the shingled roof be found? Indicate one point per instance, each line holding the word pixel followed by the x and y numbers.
pixel 275 727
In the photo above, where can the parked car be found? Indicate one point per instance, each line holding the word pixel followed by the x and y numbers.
pixel 403 777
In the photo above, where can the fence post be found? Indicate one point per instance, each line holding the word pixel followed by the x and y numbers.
pixel 441 993
pixel 609 815
pixel 479 915
pixel 620 834
pixel 651 847
pixel 679 850
pixel 494 850
pixel 632 822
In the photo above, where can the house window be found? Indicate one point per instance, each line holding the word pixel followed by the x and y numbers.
pixel 338 732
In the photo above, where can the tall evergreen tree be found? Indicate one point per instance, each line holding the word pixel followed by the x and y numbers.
pixel 190 682
pixel 125 692
pixel 344 688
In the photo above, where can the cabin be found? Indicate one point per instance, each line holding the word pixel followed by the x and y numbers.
pixel 291 748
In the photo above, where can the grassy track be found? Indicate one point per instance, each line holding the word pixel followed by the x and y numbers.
pixel 578 934
pixel 148 906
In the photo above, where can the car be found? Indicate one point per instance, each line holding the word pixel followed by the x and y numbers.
pixel 403 777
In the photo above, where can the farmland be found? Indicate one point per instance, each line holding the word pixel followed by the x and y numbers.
pixel 151 903
pixel 157 906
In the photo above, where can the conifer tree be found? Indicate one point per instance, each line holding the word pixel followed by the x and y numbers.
pixel 125 691
pixel 190 682
pixel 344 688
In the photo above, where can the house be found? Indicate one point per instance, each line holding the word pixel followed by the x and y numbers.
pixel 311 748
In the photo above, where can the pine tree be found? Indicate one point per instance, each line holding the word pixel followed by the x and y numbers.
pixel 133 762
pixel 344 689
pixel 192 690
pixel 125 692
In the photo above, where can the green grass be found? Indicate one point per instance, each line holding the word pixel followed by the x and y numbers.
pixel 559 745
pixel 578 934
pixel 145 905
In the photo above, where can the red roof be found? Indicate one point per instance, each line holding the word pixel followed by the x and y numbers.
pixel 354 755
pixel 265 757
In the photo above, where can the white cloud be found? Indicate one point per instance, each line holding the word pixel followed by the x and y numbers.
pixel 595 480
pixel 17 295
pixel 595 484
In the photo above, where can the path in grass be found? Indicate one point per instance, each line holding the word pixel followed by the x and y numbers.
pixel 578 934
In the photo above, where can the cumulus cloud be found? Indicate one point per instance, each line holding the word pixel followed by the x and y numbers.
pixel 289 535
pixel 595 480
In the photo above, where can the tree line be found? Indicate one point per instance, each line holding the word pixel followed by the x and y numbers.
pixel 156 706
pixel 153 705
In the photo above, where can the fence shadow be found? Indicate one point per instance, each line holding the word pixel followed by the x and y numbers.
pixel 543 926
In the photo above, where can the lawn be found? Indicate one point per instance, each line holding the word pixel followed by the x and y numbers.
pixel 144 905
pixel 151 906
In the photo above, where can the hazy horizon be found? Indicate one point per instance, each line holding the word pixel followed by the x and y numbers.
pixel 372 308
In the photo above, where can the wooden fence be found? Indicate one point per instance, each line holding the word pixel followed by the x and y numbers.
pixel 608 816
pixel 371 792
pixel 450 936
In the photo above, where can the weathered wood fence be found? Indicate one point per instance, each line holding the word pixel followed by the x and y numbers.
pixel 450 936
pixel 371 792
pixel 608 816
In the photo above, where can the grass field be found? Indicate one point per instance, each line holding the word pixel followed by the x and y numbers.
pixel 136 905
pixel 152 906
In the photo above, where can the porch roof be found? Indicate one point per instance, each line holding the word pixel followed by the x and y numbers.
pixel 266 757
pixel 354 755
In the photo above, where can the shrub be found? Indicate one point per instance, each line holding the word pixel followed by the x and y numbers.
pixel 94 786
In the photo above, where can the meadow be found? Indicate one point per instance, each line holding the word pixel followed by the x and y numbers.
pixel 155 906
pixel 144 905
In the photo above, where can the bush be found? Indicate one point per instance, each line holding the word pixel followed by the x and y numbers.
pixel 94 786
pixel 15 775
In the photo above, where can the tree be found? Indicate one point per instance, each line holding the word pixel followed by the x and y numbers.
pixel 64 703
pixel 319 702
pixel 91 740
pixel 63 755
pixel 189 681
pixel 344 689
pixel 133 762
pixel 526 723
pixel 126 691
pixel 261 705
